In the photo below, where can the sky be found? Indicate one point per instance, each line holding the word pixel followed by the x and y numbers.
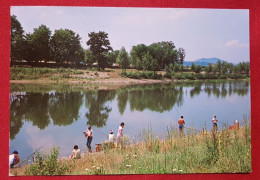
pixel 203 33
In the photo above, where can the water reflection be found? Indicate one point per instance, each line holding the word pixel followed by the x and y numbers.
pixel 62 108
pixel 98 110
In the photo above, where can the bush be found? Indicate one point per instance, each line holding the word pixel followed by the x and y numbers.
pixel 189 76
pixel 47 165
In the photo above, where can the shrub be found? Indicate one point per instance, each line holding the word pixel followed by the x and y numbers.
pixel 47 165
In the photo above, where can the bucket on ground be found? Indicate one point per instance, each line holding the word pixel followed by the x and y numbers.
pixel 98 147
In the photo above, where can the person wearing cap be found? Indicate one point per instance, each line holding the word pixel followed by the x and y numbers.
pixel 13 159
pixel 111 136
pixel 215 125
pixel 75 153
pixel 181 123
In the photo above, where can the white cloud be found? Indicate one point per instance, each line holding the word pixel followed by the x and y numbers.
pixel 236 43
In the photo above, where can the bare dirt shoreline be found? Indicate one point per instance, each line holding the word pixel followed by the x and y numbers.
pixel 104 80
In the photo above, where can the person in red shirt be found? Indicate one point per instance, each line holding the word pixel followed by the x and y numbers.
pixel 181 123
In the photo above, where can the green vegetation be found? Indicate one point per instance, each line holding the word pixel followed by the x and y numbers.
pixel 227 151
pixel 25 73
pixel 47 164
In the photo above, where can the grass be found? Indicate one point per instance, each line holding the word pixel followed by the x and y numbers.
pixel 228 151
pixel 26 73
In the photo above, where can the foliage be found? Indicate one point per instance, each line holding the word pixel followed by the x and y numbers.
pixel 17 39
pixel 66 47
pixel 100 46
pixel 47 165
pixel 38 44
pixel 123 59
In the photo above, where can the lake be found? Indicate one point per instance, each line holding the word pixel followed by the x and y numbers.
pixel 47 115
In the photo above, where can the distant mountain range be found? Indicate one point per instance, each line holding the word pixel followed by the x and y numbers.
pixel 203 61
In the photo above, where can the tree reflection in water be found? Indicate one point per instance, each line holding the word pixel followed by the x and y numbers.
pixel 62 108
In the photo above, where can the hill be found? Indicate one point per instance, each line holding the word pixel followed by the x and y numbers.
pixel 203 61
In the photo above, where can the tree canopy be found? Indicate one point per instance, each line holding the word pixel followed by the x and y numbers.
pixel 100 47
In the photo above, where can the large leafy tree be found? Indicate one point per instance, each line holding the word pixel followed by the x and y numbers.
pixel 66 47
pixel 38 44
pixel 123 59
pixel 17 40
pixel 100 46
pixel 137 55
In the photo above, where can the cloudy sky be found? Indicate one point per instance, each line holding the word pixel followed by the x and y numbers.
pixel 203 33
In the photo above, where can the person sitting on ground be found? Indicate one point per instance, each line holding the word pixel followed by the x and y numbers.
pixel 14 159
pixel 181 123
pixel 215 125
pixel 75 153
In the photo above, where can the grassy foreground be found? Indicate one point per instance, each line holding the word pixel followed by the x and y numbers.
pixel 228 151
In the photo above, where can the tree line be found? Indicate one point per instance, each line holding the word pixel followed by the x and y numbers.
pixel 63 46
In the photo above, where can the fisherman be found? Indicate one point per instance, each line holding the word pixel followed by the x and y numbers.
pixel 120 134
pixel 111 136
pixel 89 134
pixel 235 125
pixel 75 153
pixel 215 125
pixel 181 123
pixel 13 159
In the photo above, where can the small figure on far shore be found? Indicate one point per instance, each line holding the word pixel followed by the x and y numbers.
pixel 215 125
pixel 14 159
pixel 181 123
pixel 120 134
pixel 75 153
pixel 89 134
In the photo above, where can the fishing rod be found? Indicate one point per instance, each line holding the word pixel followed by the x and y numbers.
pixel 26 159
pixel 187 128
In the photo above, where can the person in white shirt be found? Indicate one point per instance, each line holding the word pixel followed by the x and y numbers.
pixel 111 136
pixel 75 153
pixel 120 134
pixel 13 159
pixel 89 134
pixel 215 125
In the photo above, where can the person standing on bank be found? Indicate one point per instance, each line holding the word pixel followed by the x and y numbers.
pixel 13 159
pixel 215 125
pixel 181 123
pixel 89 134
pixel 120 134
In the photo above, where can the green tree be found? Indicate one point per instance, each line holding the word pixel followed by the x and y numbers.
pixel 176 68
pixel 123 59
pixel 17 40
pixel 39 42
pixel 210 68
pixel 112 56
pixel 198 69
pixel 66 47
pixel 164 52
pixel 137 54
pixel 100 46
pixel 218 66
pixel 89 58
pixel 181 67
pixel 193 66
pixel 181 55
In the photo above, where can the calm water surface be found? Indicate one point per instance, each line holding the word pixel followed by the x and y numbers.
pixel 57 115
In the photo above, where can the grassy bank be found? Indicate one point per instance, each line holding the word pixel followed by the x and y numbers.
pixel 63 75
pixel 228 151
